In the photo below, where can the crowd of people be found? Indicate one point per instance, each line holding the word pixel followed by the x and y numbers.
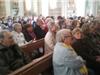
pixel 75 43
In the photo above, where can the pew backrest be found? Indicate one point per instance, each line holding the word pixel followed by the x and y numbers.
pixel 34 49
pixel 33 46
pixel 37 65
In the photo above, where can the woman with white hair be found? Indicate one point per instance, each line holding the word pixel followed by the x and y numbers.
pixel 65 59
pixel 50 36
pixel 18 35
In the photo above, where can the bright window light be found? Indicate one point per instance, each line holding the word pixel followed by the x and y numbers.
pixel 45 7
pixel 35 6
pixel 80 7
pixel 53 4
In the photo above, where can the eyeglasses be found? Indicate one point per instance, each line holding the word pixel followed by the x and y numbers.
pixel 68 36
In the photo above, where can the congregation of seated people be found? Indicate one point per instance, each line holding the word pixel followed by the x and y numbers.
pixel 75 43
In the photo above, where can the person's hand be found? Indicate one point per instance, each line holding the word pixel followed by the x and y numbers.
pixel 30 41
pixel 84 70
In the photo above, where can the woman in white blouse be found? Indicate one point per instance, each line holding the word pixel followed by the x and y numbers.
pixel 18 35
pixel 50 36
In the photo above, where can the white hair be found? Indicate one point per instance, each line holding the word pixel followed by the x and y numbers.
pixel 60 36
pixel 50 25
pixel 49 20
pixel 15 25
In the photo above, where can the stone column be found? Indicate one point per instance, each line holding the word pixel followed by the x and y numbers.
pixel 2 8
pixel 21 7
pixel 39 7
pixel 45 7
pixel 8 7
pixel 64 8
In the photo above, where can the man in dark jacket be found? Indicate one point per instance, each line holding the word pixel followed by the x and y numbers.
pixel 89 51
pixel 39 29
pixel 11 57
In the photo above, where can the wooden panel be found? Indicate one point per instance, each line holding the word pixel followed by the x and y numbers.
pixel 33 46
pixel 2 8
pixel 38 65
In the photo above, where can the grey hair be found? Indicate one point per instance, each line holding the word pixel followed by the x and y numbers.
pixel 16 25
pixel 60 36
pixel 51 24
pixel 2 34
pixel 49 20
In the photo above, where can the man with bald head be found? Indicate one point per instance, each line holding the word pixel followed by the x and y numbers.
pixel 11 57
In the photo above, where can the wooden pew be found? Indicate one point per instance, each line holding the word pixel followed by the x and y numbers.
pixel 29 48
pixel 32 46
pixel 38 65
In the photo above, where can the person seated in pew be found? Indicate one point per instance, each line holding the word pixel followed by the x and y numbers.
pixel 77 44
pixel 50 36
pixel 11 57
pixel 88 48
pixel 39 29
pixel 18 36
pixel 77 33
pixel 29 33
pixel 65 59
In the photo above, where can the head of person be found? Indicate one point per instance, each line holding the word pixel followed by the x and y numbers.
pixel 17 27
pixel 82 19
pixel 59 18
pixel 48 20
pixel 95 26
pixel 86 29
pixel 77 33
pixel 39 22
pixel 6 38
pixel 52 26
pixel 64 36
pixel 75 23
pixel 28 28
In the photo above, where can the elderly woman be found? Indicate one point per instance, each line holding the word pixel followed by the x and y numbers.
pixel 18 35
pixel 50 36
pixel 65 59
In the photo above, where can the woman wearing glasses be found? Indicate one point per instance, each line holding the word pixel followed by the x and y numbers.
pixel 65 59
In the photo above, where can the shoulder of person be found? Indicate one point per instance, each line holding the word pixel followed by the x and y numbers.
pixel 2 48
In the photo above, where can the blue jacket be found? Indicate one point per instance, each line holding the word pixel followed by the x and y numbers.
pixel 66 61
